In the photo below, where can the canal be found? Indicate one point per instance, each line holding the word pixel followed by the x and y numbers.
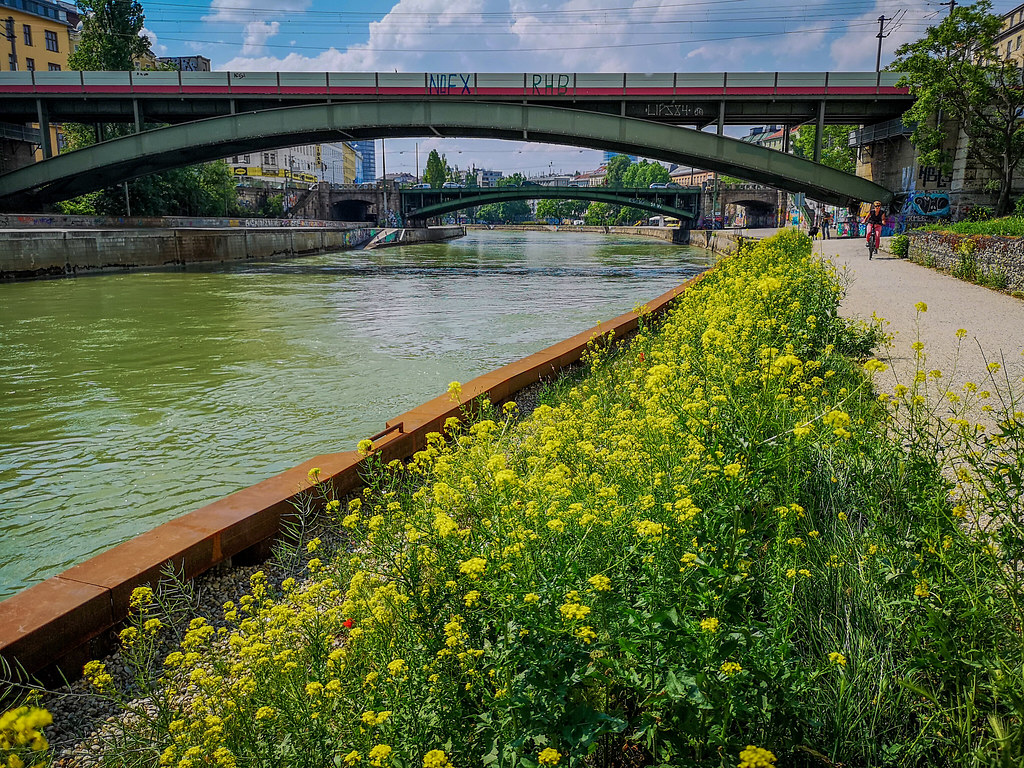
pixel 128 399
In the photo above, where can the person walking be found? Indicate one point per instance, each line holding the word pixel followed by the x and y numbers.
pixel 874 220
pixel 826 225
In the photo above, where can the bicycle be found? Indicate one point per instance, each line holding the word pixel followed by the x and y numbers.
pixel 873 241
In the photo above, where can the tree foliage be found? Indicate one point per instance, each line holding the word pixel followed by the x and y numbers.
pixel 645 173
pixel 836 151
pixel 112 40
pixel 111 36
pixel 615 170
pixel 561 210
pixel 957 77
pixel 436 172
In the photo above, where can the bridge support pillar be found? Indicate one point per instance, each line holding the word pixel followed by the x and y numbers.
pixel 44 129
pixel 138 115
pixel 819 130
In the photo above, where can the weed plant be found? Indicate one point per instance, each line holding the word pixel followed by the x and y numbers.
pixel 720 548
pixel 1008 226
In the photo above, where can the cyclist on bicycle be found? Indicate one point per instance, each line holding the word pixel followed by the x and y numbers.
pixel 875 219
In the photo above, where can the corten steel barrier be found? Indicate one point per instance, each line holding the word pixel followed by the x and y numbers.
pixel 51 629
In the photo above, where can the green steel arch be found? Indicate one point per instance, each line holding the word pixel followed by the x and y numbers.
pixel 113 161
pixel 472 197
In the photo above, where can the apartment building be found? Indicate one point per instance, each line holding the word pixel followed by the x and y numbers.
pixel 1008 44
pixel 308 164
pixel 38 34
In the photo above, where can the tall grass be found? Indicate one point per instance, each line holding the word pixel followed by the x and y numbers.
pixel 721 547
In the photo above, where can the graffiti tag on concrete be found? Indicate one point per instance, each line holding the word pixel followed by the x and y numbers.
pixel 550 85
pixel 930 204
pixel 449 83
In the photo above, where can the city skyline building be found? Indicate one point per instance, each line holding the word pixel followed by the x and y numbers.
pixel 367 150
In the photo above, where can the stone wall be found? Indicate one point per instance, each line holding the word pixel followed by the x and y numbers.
pixel 40 253
pixel 720 240
pixel 991 254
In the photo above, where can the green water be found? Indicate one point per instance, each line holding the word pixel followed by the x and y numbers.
pixel 128 399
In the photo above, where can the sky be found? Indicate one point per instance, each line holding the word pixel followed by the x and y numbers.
pixel 533 36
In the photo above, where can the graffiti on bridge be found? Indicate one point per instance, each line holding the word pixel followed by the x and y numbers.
pixel 449 83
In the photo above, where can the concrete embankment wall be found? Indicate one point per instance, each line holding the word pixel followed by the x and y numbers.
pixel 719 240
pixel 56 626
pixel 41 252
pixel 947 250
pixel 28 253
pixel 394 236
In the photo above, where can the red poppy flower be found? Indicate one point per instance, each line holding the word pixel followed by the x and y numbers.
pixel 348 624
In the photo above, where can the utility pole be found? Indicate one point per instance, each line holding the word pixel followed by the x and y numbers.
pixel 951 4
pixel 881 33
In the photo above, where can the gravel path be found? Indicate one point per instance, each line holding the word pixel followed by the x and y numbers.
pixel 889 287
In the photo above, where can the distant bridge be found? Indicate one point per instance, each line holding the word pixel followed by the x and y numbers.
pixel 682 203
pixel 244 112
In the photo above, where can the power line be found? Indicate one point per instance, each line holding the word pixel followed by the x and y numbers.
pixel 829 31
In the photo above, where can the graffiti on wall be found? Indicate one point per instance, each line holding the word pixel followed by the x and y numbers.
pixel 930 204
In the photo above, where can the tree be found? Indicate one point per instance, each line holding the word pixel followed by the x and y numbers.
pixel 111 40
pixel 597 215
pixel 958 79
pixel 111 36
pixel 436 172
pixel 836 151
pixel 645 173
pixel 549 209
pixel 615 170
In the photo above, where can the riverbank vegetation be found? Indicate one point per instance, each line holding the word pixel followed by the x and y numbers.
pixel 721 547
pixel 1005 226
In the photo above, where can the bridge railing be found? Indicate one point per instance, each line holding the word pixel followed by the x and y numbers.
pixel 568 84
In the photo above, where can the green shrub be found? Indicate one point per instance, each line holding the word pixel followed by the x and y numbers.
pixel 899 245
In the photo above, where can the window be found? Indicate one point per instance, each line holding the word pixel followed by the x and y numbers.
pixel 9 28
pixel 12 62
pixel 54 67
pixel 30 65
pixel 245 159
pixel 27 32
pixel 234 160
pixel 51 40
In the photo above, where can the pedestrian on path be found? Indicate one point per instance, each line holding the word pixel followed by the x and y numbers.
pixel 826 226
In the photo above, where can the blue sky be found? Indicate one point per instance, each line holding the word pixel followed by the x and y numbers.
pixel 533 36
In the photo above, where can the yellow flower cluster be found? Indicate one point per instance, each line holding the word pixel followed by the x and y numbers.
pixel 756 757
pixel 638 491
pixel 22 728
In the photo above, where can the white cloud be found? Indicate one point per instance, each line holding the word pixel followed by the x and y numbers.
pixel 154 45
pixel 857 50
pixel 256 35
pixel 242 11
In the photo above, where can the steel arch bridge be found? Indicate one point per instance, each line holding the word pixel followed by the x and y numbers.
pixel 111 162
pixel 424 204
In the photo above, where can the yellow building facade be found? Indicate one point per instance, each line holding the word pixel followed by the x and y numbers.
pixel 38 35
pixel 1008 44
